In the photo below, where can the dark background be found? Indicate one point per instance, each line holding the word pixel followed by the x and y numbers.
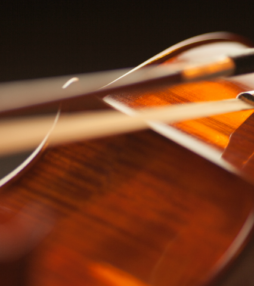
pixel 47 38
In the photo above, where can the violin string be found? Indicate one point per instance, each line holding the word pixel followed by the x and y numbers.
pixel 22 94
pixel 84 126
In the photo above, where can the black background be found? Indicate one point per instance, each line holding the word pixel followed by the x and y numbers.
pixel 48 38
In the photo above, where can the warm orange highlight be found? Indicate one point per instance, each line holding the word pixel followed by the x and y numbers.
pixel 114 277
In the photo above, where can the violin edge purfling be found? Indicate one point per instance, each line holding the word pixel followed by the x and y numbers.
pixel 137 208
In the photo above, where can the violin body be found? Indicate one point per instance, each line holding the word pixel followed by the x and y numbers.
pixel 141 208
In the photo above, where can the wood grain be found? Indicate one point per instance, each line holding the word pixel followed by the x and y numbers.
pixel 136 209
pixel 117 203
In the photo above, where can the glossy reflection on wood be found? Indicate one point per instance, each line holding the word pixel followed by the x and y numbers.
pixel 122 203
pixel 137 209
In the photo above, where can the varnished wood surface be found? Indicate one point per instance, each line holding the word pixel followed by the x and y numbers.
pixel 135 209
pixel 146 219
pixel 214 130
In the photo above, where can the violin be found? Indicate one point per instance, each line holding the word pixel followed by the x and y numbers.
pixel 172 205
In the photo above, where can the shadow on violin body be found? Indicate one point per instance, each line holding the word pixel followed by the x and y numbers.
pixel 140 209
